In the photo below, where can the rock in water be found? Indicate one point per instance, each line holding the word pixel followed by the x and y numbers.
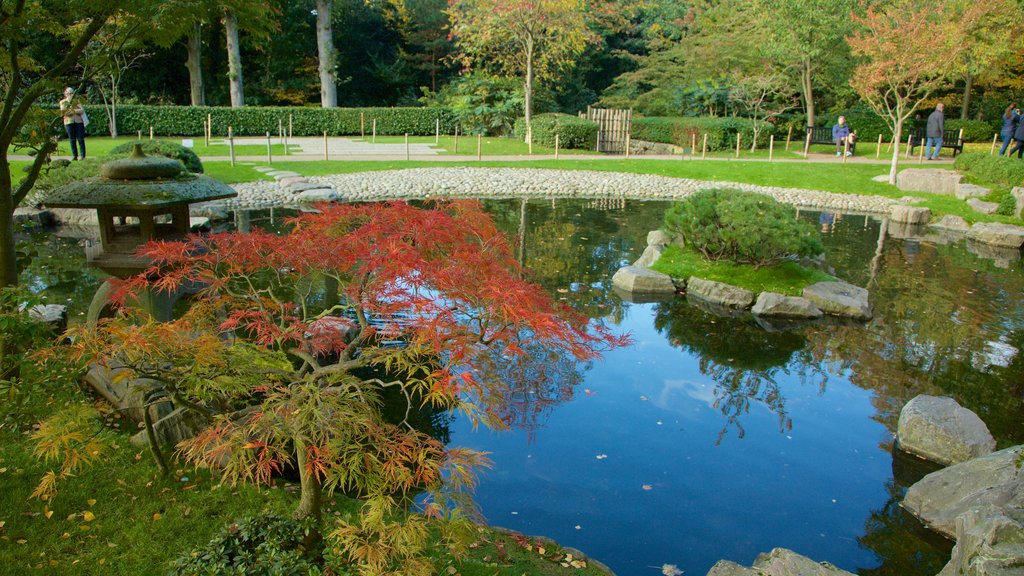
pixel 778 562
pixel 719 293
pixel 936 428
pixel 840 299
pixel 642 280
pixel 989 542
pixel 779 306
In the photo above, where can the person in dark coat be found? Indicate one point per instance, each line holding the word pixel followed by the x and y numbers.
pixel 1018 135
pixel 1011 118
pixel 933 132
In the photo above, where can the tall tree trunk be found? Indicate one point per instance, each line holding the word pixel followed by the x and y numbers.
pixel 113 106
pixel 325 48
pixel 8 254
pixel 310 486
pixel 194 44
pixel 897 136
pixel 968 84
pixel 808 90
pixel 234 60
pixel 528 88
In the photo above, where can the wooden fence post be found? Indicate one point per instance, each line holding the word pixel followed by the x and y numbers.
pixel 456 150
pixel 771 147
pixel 993 150
pixel 437 131
pixel 807 145
pixel 556 146
pixel 738 138
pixel 326 157
pixel 693 143
pixel 878 151
pixel 846 149
pixel 362 125
pixel 909 137
pixel 479 147
pixel 789 136
pixel 920 155
pixel 209 126
pixel 231 145
pixel 704 149
pixel 270 158
pixel 374 140
pixel 407 146
pixel 290 133
pixel 628 143
pixel 150 132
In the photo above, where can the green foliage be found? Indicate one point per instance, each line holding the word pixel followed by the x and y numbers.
pixel 257 121
pixel 268 544
pixel 680 131
pixel 861 120
pixel 481 104
pixel 784 278
pixel 161 148
pixel 1000 170
pixel 974 130
pixel 743 227
pixel 572 131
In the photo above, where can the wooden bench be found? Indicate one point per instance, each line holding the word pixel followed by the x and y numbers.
pixel 953 139
pixel 823 135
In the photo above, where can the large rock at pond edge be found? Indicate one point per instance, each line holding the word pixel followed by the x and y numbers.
pixel 650 256
pixel 658 238
pixel 952 222
pixel 982 207
pixel 936 428
pixel 1005 235
pixel 839 299
pixel 179 425
pixel 778 562
pixel 993 480
pixel 643 281
pixel 780 306
pixel 989 542
pixel 927 180
pixel 719 293
pixel 909 214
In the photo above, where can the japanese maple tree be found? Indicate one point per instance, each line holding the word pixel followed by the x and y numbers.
pixel 357 299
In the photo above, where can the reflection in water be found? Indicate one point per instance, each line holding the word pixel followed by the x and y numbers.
pixel 741 357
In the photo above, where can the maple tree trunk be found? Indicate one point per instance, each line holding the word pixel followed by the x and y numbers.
pixel 897 137
pixel 234 60
pixel 8 255
pixel 968 84
pixel 311 488
pixel 194 45
pixel 325 48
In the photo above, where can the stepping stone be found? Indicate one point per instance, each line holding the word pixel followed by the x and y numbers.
pixel 952 222
pixel 279 175
pixel 780 306
pixel 303 186
pixel 840 299
pixel 983 207
pixel 288 181
pixel 318 195
pixel 965 191
pixel 643 280
pixel 263 169
pixel 1006 235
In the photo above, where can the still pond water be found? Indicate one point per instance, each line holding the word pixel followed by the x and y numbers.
pixel 712 437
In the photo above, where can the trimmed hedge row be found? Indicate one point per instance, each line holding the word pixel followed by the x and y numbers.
pixel 869 125
pixel 257 121
pixel 1001 170
pixel 680 131
pixel 573 132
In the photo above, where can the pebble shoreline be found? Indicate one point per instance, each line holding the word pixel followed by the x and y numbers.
pixel 469 182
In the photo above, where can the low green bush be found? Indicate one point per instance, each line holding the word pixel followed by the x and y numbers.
pixel 161 148
pixel 742 227
pixel 260 545
pixel 573 132
pixel 974 130
pixel 680 131
pixel 257 121
pixel 999 170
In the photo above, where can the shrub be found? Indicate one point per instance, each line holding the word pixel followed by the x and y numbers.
pixel 864 121
pixel 573 131
pixel 999 170
pixel 481 104
pixel 257 121
pixel 267 544
pixel 161 148
pixel 680 131
pixel 974 130
pixel 743 227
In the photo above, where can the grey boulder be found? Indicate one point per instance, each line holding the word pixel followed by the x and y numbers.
pixel 993 480
pixel 650 256
pixel 952 222
pixel 719 293
pixel 642 280
pixel 1018 200
pixel 925 180
pixel 317 195
pixel 982 206
pixel 778 562
pixel 989 542
pixel 909 214
pixel 780 306
pixel 936 428
pixel 1006 235
pixel 839 299
pixel 965 191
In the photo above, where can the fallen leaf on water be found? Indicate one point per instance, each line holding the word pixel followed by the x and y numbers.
pixel 670 570
pixel 644 398
pixel 601 456
pixel 588 391
pixel 647 487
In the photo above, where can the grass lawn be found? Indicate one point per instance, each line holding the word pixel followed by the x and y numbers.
pixel 787 278
pixel 491 146
pixel 101 145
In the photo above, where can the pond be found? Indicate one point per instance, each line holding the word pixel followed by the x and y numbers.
pixel 712 437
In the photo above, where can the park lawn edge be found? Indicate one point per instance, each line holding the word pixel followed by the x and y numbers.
pixel 788 278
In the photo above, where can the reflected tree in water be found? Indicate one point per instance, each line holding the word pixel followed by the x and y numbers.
pixel 741 357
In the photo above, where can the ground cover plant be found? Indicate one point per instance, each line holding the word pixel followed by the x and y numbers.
pixel 323 321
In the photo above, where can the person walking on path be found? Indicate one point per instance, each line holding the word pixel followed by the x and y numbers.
pixel 1018 135
pixel 1011 119
pixel 841 136
pixel 74 122
pixel 933 132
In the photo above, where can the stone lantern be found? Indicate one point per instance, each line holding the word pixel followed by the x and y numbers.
pixel 137 200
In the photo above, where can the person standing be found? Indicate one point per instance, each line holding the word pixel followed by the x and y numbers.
pixel 1011 119
pixel 1018 135
pixel 842 137
pixel 74 122
pixel 933 132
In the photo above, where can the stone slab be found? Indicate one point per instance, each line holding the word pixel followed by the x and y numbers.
pixel 952 222
pixel 658 238
pixel 909 214
pixel 840 299
pixel 1018 199
pixel 719 293
pixel 303 186
pixel 965 191
pixel 781 306
pixel 650 256
pixel 635 279
pixel 982 206
pixel 783 562
pixel 996 234
pixel 989 542
pixel 33 217
pixel 929 180
pixel 317 195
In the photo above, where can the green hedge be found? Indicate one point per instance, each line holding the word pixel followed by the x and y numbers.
pixel 974 130
pixel 573 132
pixel 1000 170
pixel 257 121
pixel 680 131
pixel 869 125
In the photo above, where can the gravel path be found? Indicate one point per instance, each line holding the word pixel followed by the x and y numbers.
pixel 467 182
